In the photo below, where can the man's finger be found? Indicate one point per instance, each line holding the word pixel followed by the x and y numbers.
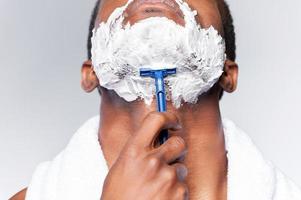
pixel 181 170
pixel 152 125
pixel 172 149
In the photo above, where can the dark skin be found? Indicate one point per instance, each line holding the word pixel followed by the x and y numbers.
pixel 128 132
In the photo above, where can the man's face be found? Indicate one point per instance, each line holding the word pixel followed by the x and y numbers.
pixel 208 12
pixel 197 52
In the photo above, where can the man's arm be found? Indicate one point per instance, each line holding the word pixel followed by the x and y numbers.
pixel 20 195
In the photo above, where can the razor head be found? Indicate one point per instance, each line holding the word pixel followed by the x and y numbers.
pixel 147 72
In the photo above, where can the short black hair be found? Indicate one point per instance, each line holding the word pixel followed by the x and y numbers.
pixel 227 21
pixel 228 28
pixel 91 27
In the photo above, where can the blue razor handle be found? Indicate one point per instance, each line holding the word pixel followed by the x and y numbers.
pixel 159 75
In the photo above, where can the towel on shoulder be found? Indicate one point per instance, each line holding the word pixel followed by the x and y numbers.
pixel 79 171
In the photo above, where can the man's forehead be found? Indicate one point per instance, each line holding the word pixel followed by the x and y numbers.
pixel 208 12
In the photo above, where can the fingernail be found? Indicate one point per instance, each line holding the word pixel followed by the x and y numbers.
pixel 183 154
pixel 182 173
pixel 178 126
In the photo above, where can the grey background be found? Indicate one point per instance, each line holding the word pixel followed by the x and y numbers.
pixel 42 46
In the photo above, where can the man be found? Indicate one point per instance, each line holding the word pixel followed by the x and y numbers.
pixel 205 156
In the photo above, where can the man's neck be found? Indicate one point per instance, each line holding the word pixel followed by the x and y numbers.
pixel 206 158
pixel 202 130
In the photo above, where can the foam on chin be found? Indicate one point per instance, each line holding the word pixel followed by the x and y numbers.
pixel 118 52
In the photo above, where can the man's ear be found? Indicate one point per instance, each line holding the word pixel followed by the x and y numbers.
pixel 89 80
pixel 228 80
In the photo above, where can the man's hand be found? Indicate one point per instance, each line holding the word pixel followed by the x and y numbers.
pixel 148 173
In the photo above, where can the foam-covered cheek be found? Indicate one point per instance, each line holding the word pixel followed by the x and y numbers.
pixel 119 52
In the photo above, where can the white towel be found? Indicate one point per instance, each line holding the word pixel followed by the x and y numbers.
pixel 78 172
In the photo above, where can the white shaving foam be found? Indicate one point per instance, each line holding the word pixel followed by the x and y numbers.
pixel 118 52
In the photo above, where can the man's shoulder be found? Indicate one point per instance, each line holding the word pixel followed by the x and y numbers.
pixel 20 195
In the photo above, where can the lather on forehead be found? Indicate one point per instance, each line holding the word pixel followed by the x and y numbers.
pixel 208 12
